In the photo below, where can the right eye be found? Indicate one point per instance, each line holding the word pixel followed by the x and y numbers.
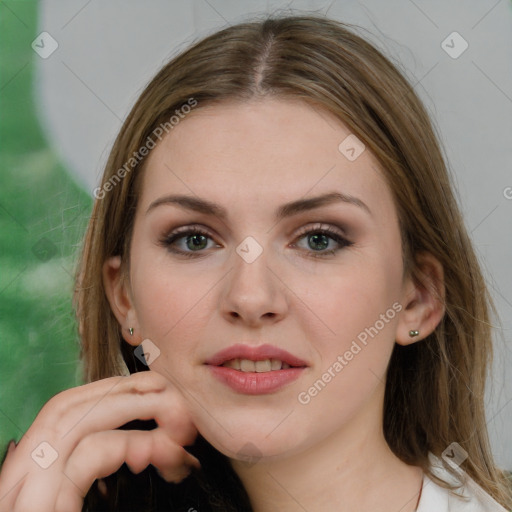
pixel 195 241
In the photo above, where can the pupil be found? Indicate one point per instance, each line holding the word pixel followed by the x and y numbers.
pixel 195 242
pixel 315 238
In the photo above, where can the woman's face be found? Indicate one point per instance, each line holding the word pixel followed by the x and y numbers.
pixel 254 276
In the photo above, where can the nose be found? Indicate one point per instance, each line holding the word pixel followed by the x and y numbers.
pixel 253 292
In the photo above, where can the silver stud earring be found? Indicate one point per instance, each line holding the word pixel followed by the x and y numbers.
pixel 130 330
pixel 413 333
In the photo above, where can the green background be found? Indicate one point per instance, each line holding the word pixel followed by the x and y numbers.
pixel 43 215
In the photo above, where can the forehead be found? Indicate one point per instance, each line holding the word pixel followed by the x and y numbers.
pixel 261 152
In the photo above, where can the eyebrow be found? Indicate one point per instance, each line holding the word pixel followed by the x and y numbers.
pixel 287 210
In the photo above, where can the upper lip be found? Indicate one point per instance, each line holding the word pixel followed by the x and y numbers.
pixel 260 353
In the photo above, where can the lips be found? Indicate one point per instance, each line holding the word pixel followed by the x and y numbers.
pixel 260 353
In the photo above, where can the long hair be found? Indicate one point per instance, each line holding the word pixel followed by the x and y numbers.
pixel 434 388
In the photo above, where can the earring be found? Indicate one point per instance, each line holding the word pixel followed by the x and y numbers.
pixel 413 333
pixel 130 330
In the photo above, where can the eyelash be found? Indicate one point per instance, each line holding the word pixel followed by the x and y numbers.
pixel 169 239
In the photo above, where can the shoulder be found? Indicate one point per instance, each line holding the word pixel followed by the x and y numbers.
pixel 469 498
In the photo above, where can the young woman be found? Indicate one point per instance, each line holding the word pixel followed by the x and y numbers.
pixel 279 304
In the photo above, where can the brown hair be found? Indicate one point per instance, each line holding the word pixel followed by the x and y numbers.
pixel 435 388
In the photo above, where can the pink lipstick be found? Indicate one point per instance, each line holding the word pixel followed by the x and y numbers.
pixel 255 370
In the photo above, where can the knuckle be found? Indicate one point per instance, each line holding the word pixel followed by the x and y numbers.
pixel 91 454
pixel 56 405
pixel 146 382
pixel 138 451
pixel 86 445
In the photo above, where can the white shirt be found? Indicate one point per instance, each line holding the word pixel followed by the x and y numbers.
pixel 435 498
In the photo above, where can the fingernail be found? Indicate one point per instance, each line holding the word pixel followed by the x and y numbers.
pixel 10 448
pixel 187 471
pixel 176 476
pixel 102 486
pixel 193 462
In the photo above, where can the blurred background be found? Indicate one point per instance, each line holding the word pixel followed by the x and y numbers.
pixel 69 73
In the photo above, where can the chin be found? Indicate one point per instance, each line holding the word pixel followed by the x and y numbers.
pixel 251 442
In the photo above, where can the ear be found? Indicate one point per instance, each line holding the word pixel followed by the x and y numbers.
pixel 424 301
pixel 119 296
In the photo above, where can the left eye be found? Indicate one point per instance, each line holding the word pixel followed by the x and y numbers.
pixel 318 238
pixel 196 240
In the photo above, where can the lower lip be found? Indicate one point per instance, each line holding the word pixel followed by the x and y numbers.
pixel 253 383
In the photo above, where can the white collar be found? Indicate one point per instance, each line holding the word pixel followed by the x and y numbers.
pixel 435 498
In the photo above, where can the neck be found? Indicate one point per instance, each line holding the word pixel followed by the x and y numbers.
pixel 353 469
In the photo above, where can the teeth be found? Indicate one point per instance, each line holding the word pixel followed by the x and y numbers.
pixel 263 366
pixel 246 365
pixel 234 363
pixel 275 364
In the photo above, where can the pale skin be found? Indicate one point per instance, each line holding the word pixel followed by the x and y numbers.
pixel 250 159
pixel 79 426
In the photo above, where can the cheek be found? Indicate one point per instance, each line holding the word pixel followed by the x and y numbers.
pixel 359 312
pixel 174 310
pixel 353 299
pixel 173 305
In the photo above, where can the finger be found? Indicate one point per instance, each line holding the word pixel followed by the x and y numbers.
pixel 98 455
pixel 144 397
pixel 9 487
pixel 153 390
pixel 10 448
pixel 123 401
pixel 135 399
pixel 171 460
pixel 102 453
pixel 68 499
pixel 9 491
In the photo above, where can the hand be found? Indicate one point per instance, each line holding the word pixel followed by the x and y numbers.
pixel 73 441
